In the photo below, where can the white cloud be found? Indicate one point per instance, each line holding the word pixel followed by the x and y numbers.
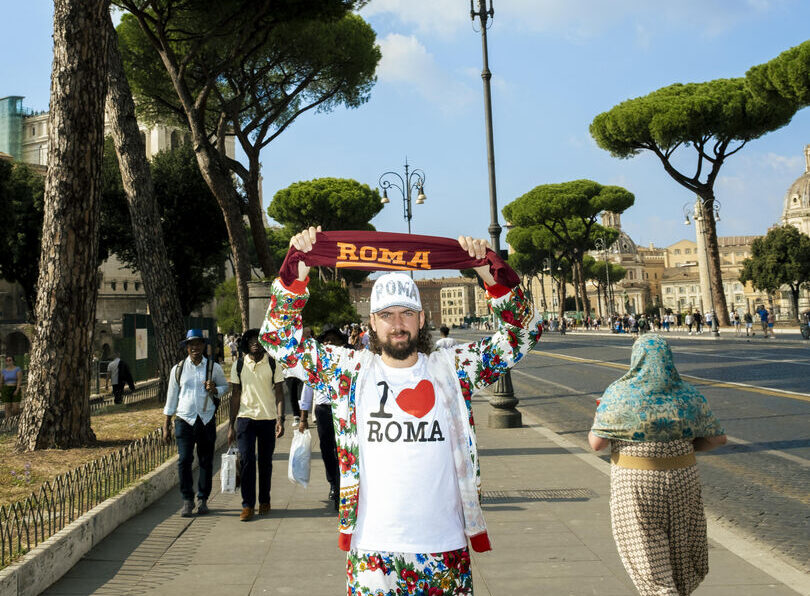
pixel 406 62
pixel 781 163
pixel 439 17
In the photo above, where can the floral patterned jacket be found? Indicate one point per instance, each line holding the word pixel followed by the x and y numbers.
pixel 460 370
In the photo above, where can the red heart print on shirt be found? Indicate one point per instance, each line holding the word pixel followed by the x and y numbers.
pixel 419 400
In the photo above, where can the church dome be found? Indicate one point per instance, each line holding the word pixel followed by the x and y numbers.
pixel 797 199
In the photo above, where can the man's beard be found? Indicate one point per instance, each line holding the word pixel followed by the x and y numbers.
pixel 401 352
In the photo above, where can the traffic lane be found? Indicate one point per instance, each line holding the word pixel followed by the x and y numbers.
pixel 767 422
pixel 784 369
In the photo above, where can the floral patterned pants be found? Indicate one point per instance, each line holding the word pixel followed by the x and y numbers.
pixel 395 574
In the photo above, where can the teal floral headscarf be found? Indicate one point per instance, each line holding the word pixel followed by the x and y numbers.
pixel 651 402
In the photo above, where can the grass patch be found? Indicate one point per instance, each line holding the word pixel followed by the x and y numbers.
pixel 115 426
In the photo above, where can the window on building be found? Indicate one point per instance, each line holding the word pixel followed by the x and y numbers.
pixel 113 286
pixel 668 291
pixel 33 131
pixel 681 290
pixel 126 286
pixel 687 251
pixel 137 286
pixel 677 251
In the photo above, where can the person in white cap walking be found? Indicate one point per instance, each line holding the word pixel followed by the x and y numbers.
pixel 409 471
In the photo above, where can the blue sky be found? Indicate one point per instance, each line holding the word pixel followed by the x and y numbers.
pixel 556 64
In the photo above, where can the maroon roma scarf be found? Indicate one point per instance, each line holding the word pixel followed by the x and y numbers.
pixel 383 251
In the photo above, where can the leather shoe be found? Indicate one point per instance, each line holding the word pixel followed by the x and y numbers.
pixel 332 492
pixel 264 508
pixel 247 514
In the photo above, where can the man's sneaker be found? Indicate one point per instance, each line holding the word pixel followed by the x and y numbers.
pixel 264 508
pixel 188 509
pixel 202 506
pixel 247 514
pixel 296 421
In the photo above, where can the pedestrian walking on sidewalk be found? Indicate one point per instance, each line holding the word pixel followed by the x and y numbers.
pixel 402 414
pixel 195 388
pixel 118 374
pixel 749 324
pixel 256 419
pixel 654 422
pixel 330 336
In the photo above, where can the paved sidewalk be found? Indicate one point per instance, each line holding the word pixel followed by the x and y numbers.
pixel 546 507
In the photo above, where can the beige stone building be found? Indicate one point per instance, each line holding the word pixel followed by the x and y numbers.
pixel 24 138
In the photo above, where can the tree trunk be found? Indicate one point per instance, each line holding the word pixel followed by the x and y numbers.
pixel 254 213
pixel 158 279
pixel 57 410
pixel 561 297
pixel 543 292
pixel 218 178
pixel 794 299
pixel 575 285
pixel 599 299
pixel 715 272
pixel 583 288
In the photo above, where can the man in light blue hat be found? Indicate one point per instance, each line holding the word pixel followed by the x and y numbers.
pixel 194 398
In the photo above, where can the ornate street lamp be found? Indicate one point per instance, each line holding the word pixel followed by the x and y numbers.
pixel 413 180
pixel 697 212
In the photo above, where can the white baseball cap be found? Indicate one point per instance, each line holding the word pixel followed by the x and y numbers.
pixel 395 289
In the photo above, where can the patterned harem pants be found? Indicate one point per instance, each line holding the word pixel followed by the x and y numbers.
pixel 658 521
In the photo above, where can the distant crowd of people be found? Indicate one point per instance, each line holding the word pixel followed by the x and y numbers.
pixel 691 322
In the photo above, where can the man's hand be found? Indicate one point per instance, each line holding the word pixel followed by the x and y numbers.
pixel 477 248
pixel 304 241
pixel 210 386
pixel 279 428
pixel 231 435
pixel 167 430
pixel 303 425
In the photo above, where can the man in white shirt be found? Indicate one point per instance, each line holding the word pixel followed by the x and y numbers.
pixel 194 397
pixel 403 423
pixel 257 418
pixel 446 341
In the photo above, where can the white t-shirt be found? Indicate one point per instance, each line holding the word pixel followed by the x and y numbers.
pixel 409 499
pixel 445 342
pixel 112 370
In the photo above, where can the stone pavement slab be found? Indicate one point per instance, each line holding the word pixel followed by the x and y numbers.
pixel 546 508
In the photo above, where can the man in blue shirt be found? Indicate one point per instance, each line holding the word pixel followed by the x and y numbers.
pixel 194 398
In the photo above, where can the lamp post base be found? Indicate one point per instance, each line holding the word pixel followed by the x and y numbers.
pixel 499 418
pixel 503 401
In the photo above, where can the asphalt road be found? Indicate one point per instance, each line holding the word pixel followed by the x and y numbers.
pixel 759 483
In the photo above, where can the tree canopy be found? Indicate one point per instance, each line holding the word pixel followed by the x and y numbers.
pixel 781 258
pixel 562 220
pixel 21 203
pixel 786 77
pixel 305 64
pixel 715 118
pixel 329 302
pixel 332 203
pixel 193 230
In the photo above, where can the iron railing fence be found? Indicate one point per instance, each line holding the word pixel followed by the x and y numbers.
pixel 57 503
pixel 149 390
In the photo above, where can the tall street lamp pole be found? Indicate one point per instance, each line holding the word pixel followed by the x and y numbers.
pixel 504 413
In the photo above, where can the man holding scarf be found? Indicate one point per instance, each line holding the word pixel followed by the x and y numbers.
pixel 409 470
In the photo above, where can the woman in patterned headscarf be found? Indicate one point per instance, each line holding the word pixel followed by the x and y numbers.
pixel 654 422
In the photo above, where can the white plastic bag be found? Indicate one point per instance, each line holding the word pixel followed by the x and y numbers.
pixel 227 472
pixel 300 457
